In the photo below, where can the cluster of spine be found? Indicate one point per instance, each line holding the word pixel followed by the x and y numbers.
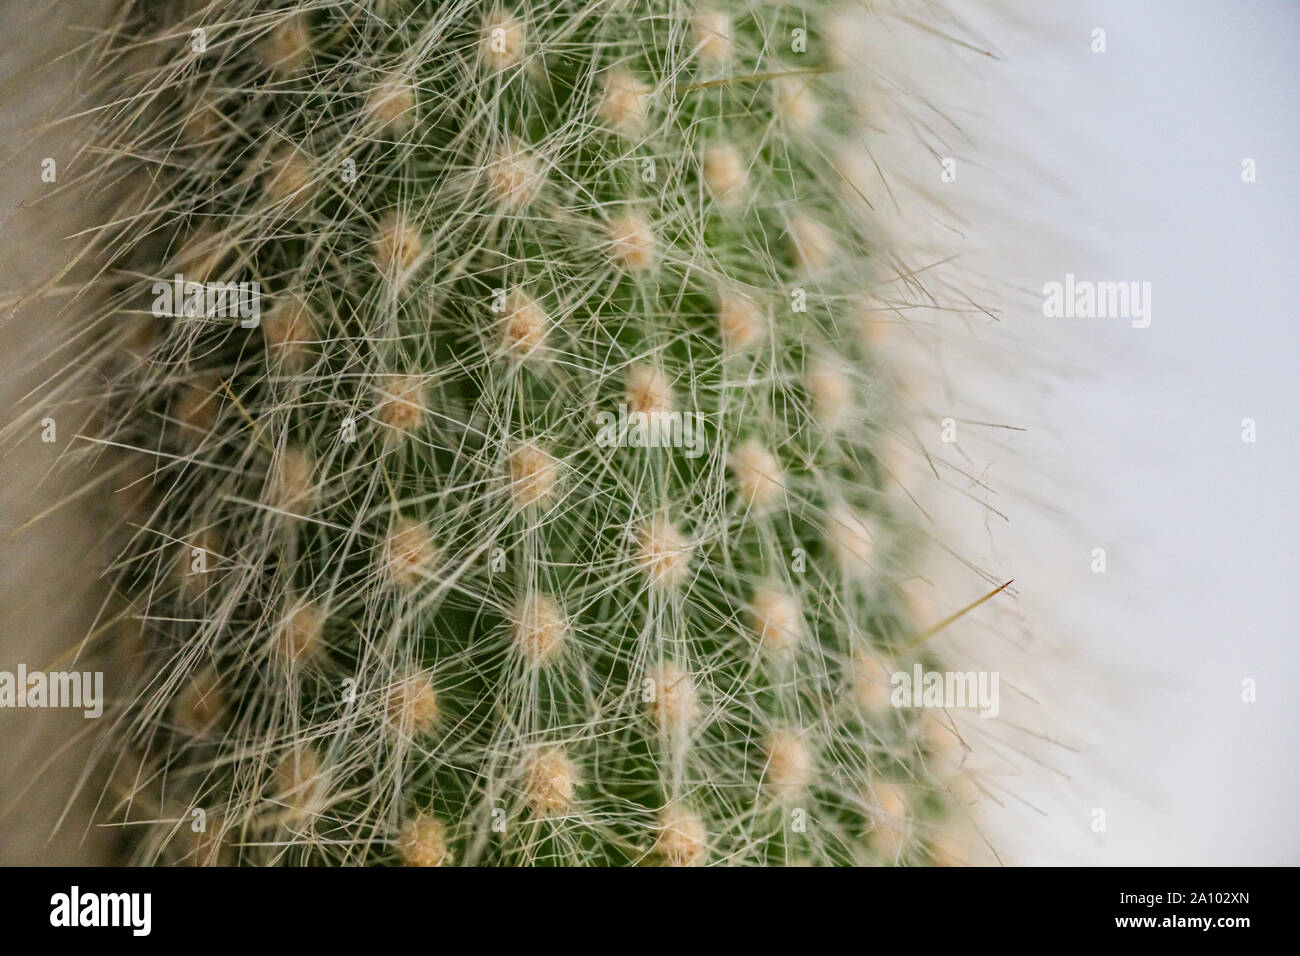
pixel 385 596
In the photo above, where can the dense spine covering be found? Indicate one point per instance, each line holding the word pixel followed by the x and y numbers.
pixel 391 593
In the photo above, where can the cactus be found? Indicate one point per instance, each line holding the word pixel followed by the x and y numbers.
pixel 547 515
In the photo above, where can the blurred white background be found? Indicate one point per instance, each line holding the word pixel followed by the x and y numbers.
pixel 1144 445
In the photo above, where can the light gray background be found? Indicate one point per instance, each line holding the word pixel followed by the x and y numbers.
pixel 1201 530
